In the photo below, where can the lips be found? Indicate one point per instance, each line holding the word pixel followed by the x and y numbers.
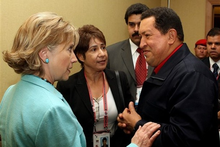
pixel 145 51
pixel 213 52
pixel 102 61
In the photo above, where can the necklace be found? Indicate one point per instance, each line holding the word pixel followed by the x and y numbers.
pixel 46 80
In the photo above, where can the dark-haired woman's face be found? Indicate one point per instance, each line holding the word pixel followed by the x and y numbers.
pixel 96 57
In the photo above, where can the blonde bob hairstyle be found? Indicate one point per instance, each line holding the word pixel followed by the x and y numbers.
pixel 44 29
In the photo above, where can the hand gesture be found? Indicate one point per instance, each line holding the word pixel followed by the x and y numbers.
pixel 128 118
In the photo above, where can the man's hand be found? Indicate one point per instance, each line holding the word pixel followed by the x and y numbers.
pixel 128 119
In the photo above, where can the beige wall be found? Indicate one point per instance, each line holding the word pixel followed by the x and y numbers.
pixel 192 14
pixel 108 15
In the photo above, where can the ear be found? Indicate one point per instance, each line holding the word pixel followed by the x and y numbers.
pixel 172 34
pixel 80 57
pixel 43 54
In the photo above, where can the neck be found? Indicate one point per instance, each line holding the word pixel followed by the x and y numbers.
pixel 215 59
pixel 93 76
pixel 45 78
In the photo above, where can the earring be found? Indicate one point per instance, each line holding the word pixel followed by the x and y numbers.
pixel 47 60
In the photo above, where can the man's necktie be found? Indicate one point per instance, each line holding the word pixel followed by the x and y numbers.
pixel 140 68
pixel 215 71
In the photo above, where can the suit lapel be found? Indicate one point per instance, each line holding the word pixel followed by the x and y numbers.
pixel 127 58
pixel 111 78
pixel 83 92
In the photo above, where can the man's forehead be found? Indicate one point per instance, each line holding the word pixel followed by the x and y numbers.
pixel 215 38
pixel 146 25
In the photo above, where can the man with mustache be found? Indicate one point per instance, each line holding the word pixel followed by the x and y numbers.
pixel 123 55
pixel 181 94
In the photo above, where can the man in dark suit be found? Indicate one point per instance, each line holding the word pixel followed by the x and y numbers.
pixel 123 55
pixel 213 47
pixel 181 94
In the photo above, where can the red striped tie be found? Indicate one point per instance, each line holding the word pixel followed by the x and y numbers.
pixel 140 68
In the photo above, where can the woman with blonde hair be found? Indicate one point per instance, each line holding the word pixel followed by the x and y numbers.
pixel 33 113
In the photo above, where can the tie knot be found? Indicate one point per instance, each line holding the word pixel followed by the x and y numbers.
pixel 140 51
pixel 215 66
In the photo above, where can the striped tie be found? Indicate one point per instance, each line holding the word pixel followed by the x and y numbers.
pixel 140 68
pixel 215 71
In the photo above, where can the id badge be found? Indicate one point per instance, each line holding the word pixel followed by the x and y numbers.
pixel 101 139
pixel 138 96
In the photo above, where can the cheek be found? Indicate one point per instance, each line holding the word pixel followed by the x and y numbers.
pixel 64 61
pixel 130 31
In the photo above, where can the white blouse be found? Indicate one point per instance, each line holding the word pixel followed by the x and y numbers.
pixel 112 113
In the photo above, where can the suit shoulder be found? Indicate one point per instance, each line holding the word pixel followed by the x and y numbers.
pixel 112 72
pixel 72 79
pixel 117 44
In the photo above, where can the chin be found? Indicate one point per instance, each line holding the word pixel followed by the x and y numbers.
pixel 136 41
pixel 64 78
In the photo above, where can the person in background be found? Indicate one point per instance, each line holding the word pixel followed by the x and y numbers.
pixel 124 55
pixel 93 92
pixel 213 61
pixel 200 49
pixel 174 96
pixel 33 113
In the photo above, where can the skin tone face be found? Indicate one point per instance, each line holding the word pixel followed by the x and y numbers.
pixel 61 60
pixel 104 142
pixel 96 56
pixel 213 47
pixel 154 44
pixel 201 51
pixel 133 28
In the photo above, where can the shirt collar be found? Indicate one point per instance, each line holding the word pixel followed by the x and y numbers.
pixel 133 47
pixel 41 83
pixel 156 70
pixel 212 62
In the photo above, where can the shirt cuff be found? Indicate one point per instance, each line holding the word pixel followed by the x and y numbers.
pixel 139 123
pixel 132 145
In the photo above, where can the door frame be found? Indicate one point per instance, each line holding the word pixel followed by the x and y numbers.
pixel 209 14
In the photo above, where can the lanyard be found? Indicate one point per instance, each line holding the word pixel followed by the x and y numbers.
pixel 104 102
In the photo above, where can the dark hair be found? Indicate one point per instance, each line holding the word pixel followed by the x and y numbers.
pixel 137 8
pixel 165 19
pixel 213 32
pixel 86 33
pixel 104 139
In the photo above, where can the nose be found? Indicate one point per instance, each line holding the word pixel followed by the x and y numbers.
pixel 136 28
pixel 101 52
pixel 142 43
pixel 73 58
pixel 213 45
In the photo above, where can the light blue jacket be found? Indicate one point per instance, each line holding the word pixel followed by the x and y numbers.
pixel 34 114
